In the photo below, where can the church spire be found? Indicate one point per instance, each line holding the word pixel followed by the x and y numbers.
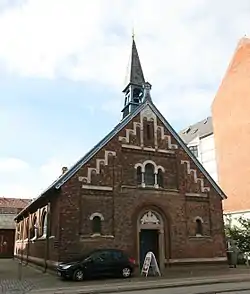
pixel 135 82
pixel 135 72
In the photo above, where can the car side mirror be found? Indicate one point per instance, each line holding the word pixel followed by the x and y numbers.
pixel 89 260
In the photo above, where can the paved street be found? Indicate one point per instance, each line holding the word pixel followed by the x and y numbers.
pixel 34 281
pixel 204 289
pixel 31 278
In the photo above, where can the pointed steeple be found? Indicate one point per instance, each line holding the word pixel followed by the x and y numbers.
pixel 135 73
pixel 135 82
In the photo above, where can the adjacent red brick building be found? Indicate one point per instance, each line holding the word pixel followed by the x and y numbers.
pixel 231 123
pixel 139 189
pixel 9 208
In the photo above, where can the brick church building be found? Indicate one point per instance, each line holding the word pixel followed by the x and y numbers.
pixel 139 189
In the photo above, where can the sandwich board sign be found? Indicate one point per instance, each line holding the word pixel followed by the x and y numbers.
pixel 150 261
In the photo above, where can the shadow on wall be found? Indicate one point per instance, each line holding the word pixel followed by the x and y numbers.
pixel 23 252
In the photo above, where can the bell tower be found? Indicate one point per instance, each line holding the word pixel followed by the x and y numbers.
pixel 134 90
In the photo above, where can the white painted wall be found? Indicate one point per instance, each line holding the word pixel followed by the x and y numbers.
pixel 231 218
pixel 206 149
pixel 7 221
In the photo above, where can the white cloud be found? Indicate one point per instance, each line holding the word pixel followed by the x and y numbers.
pixel 22 180
pixel 12 165
pixel 184 47
pixel 180 43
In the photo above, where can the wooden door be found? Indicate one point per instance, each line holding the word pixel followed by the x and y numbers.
pixel 7 239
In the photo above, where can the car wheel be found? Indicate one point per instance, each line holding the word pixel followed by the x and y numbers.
pixel 126 272
pixel 78 275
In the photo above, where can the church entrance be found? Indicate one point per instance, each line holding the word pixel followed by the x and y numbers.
pixel 151 237
pixel 149 241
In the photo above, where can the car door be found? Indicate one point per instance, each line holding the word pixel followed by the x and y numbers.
pixel 117 262
pixel 100 264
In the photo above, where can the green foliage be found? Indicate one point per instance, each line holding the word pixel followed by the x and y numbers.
pixel 240 234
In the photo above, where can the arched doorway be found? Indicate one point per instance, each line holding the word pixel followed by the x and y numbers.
pixel 151 236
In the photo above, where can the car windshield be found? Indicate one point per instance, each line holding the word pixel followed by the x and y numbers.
pixel 80 258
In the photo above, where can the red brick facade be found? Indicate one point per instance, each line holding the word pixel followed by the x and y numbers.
pixel 107 186
pixel 231 120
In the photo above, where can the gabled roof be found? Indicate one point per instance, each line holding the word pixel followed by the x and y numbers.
pixel 71 171
pixel 200 129
pixel 14 202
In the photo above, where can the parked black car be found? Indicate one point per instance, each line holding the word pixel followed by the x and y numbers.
pixel 98 263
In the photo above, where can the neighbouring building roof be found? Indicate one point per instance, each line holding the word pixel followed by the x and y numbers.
pixel 9 208
pixel 202 129
pixel 14 202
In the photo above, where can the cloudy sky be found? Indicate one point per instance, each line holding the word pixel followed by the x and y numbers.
pixel 63 65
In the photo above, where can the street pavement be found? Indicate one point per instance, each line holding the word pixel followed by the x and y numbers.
pixel 224 288
pixel 153 288
pixel 229 288
pixel 34 281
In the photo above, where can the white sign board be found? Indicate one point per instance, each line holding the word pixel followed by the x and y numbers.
pixel 150 261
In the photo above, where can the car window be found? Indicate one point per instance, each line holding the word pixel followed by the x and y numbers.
pixel 101 256
pixel 117 255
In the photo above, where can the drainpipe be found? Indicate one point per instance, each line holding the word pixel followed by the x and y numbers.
pixel 16 238
pixel 46 255
pixel 23 230
pixel 113 202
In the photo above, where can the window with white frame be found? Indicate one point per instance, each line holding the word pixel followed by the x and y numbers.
pixel 97 225
pixel 160 178
pixel 148 174
pixel 44 223
pixel 96 219
pixel 27 228
pixel 139 175
pixel 194 150
pixel 149 177
pixel 198 226
pixel 33 231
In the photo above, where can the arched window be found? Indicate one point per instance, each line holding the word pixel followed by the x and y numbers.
pixel 33 229
pixel 96 225
pixel 148 131
pixel 18 232
pixel 149 175
pixel 137 95
pixel 22 230
pixel 139 175
pixel 27 228
pixel 160 178
pixel 199 227
pixel 44 223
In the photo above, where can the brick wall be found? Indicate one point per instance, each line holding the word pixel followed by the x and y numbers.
pixel 122 206
pixel 231 121
pixel 121 201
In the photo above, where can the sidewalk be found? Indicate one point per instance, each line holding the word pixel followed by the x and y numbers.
pixel 146 284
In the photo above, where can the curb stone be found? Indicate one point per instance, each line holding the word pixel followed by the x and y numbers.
pixel 139 286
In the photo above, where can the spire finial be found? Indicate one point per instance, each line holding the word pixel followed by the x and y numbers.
pixel 133 33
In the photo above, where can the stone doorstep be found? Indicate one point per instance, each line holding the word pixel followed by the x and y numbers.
pixel 139 285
